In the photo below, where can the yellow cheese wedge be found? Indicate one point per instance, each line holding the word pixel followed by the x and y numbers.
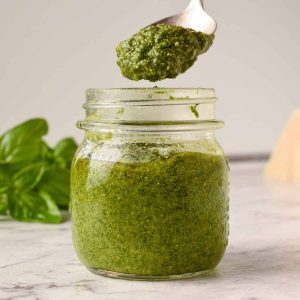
pixel 284 164
pixel 296 156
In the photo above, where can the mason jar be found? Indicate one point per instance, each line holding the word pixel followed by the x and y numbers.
pixel 149 184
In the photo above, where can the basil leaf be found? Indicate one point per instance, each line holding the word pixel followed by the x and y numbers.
pixel 64 152
pixel 33 207
pixel 3 204
pixel 26 133
pixel 4 180
pixel 28 177
pixel 4 187
pixel 34 179
pixel 28 153
pixel 56 184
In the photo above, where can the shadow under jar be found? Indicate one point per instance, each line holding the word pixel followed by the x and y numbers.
pixel 149 184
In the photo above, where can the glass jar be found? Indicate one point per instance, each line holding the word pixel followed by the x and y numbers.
pixel 149 184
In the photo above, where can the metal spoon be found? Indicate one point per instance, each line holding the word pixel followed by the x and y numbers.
pixel 193 17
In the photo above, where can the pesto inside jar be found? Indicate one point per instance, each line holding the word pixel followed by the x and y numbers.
pixel 149 208
pixel 161 51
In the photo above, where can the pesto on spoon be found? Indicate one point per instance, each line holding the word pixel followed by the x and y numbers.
pixel 161 51
pixel 168 47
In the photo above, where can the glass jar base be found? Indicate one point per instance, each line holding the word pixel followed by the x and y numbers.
pixel 126 276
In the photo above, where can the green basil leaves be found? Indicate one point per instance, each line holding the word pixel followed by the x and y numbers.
pixel 34 178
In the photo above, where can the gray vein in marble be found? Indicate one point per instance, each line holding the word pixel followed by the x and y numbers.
pixel 24 261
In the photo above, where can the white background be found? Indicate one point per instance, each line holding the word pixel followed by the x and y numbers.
pixel 52 50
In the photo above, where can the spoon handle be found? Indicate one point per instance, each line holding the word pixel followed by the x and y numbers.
pixel 195 3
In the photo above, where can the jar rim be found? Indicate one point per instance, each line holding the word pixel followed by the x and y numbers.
pixel 122 97
pixel 150 110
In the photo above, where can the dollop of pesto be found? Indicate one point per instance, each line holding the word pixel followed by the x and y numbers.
pixel 161 51
pixel 164 215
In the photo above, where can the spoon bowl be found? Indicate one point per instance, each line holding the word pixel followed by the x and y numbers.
pixel 193 17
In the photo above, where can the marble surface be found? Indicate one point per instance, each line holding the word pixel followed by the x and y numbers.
pixel 262 262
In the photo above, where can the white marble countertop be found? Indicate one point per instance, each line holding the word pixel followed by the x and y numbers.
pixel 262 261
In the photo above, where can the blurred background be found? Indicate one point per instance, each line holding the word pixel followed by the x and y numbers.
pixel 53 50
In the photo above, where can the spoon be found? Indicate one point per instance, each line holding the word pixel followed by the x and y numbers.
pixel 193 17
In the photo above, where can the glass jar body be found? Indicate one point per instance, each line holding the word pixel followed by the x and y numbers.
pixel 150 206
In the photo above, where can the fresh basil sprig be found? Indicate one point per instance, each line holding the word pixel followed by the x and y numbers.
pixel 34 178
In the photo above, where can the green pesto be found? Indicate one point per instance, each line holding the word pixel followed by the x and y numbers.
pixel 179 98
pixel 162 217
pixel 161 51
pixel 194 110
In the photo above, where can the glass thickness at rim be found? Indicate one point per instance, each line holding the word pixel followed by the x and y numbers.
pixel 148 96
pixel 150 110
